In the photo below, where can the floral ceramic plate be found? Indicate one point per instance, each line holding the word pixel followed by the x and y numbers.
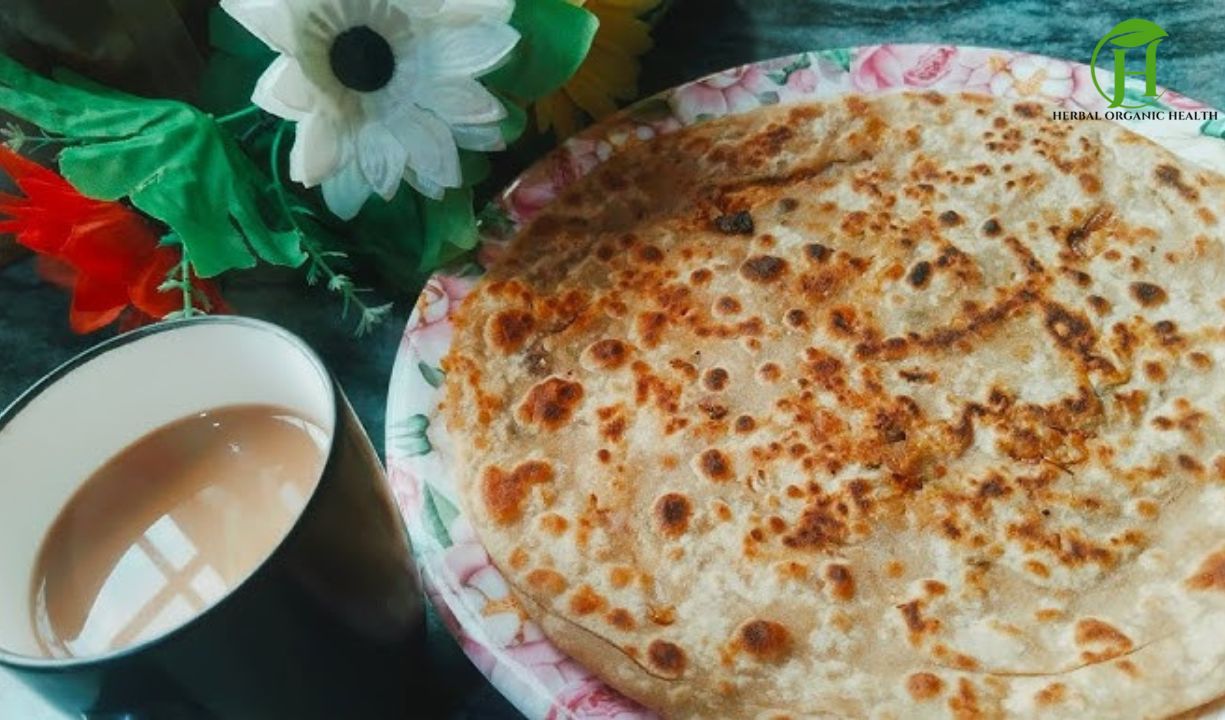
pixel 467 589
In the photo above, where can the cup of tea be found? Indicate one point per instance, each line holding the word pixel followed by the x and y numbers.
pixel 193 524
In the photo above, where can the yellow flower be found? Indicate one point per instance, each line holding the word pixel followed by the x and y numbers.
pixel 608 74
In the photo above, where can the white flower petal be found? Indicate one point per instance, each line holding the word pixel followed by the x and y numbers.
pixel 271 21
pixel 424 8
pixel 346 191
pixel 284 90
pixel 382 159
pixel 465 50
pixel 423 186
pixel 479 137
pixel 459 100
pixel 316 150
pixel 500 10
pixel 432 153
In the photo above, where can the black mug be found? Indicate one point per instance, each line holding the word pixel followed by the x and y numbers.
pixel 328 626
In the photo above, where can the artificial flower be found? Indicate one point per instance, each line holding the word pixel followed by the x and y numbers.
pixel 106 253
pixel 381 90
pixel 608 74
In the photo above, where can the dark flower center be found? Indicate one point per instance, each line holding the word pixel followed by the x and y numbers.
pixel 362 59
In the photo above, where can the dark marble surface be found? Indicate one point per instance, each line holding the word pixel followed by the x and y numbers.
pixel 698 37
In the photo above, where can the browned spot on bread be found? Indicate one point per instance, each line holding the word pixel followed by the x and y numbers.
pixel 1090 183
pixel 672 511
pixel 728 305
pixel 661 615
pixel 608 353
pixel 1100 305
pixel 797 318
pixel 918 626
pixel 924 686
pixel 934 587
pixel 505 493
pixel 701 276
pixel 745 424
pixel 1052 694
pixel 764 640
pixel 551 404
pixel 714 464
pixel 1027 109
pixel 715 379
pixel 950 218
pixel 739 223
pixel 842 321
pixel 917 376
pixel 1108 640
pixel 965 703
pixel 788 204
pixel 1155 371
pixel 817 253
pixel 1148 294
pixel 620 576
pixel 585 601
pixel 509 329
pixel 841 580
pixel 763 269
pixel 666 658
pixel 554 524
pixel 953 658
pixel 1172 177
pixel 518 559
pixel 547 582
pixel 992 228
pixel 1071 329
pixel 650 326
pixel 920 274
pixel 650 254
pixel 714 410
pixel 769 372
pixel 1211 573
pixel 821 526
pixel 1200 360
pixel 621 619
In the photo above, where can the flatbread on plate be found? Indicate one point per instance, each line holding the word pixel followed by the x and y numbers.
pixel 899 407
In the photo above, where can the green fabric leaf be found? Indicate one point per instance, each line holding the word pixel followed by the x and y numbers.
pixel 450 228
pixel 170 160
pixel 236 62
pixel 474 166
pixel 66 110
pixel 389 234
pixel 227 34
pixel 555 37
pixel 514 123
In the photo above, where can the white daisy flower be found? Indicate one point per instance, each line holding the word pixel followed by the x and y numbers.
pixel 381 90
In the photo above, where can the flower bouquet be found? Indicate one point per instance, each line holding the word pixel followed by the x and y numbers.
pixel 326 135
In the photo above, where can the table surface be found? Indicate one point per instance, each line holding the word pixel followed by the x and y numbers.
pixel 698 37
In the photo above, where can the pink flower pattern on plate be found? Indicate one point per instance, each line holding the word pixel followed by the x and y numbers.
pixel 469 592
pixel 726 93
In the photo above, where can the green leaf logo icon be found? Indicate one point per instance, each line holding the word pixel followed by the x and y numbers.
pixel 1127 35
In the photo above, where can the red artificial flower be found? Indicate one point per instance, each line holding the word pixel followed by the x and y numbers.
pixel 106 253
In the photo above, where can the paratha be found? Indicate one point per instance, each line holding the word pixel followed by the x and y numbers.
pixel 897 407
